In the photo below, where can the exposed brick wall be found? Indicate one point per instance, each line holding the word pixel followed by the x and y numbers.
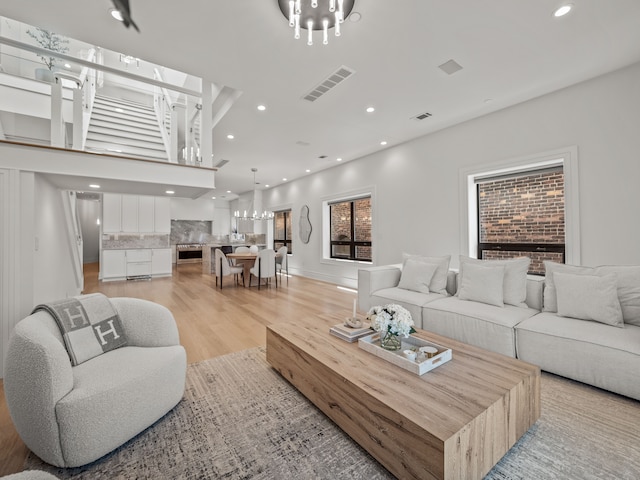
pixel 526 209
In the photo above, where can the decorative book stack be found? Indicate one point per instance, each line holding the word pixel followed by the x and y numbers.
pixel 350 334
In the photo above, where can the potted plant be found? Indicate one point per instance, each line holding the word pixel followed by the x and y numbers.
pixel 53 42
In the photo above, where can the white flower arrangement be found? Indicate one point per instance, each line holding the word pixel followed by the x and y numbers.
pixel 391 318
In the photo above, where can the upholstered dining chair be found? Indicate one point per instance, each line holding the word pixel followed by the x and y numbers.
pixel 242 250
pixel 224 269
pixel 282 262
pixel 264 266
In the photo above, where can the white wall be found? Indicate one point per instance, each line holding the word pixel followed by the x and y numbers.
pixel 417 206
pixel 53 271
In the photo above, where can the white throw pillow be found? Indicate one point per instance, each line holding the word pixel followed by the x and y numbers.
pixel 483 283
pixel 515 277
pixel 628 290
pixel 550 301
pixel 438 282
pixel 416 275
pixel 589 297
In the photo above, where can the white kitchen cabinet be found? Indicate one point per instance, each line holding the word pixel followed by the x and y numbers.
pixel 161 261
pixel 146 214
pixel 113 264
pixel 129 213
pixel 111 213
pixel 162 215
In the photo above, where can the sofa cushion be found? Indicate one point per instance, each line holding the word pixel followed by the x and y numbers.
pixel 482 283
pixel 515 277
pixel 416 275
pixel 478 324
pixel 590 352
pixel 91 416
pixel 588 297
pixel 628 290
pixel 412 301
pixel 550 299
pixel 438 282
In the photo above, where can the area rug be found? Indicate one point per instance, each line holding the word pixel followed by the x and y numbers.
pixel 240 419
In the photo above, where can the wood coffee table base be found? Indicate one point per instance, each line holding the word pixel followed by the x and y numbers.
pixel 455 422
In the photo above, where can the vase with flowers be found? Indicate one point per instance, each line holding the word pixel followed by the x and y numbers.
pixel 391 321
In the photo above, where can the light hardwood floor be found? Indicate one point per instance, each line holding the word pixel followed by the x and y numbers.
pixel 211 321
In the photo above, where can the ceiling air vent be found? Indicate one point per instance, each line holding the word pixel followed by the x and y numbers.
pixel 221 164
pixel 450 67
pixel 329 83
pixel 422 116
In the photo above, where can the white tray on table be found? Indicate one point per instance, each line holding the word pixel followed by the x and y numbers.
pixel 419 366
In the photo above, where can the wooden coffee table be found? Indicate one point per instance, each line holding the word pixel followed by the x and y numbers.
pixel 455 422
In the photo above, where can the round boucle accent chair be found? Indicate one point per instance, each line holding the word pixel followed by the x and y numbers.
pixel 72 415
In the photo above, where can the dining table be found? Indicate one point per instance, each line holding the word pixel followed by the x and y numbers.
pixel 247 259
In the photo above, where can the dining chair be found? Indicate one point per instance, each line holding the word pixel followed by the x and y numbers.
pixel 282 262
pixel 223 268
pixel 264 266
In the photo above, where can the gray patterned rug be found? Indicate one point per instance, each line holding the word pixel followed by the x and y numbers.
pixel 240 420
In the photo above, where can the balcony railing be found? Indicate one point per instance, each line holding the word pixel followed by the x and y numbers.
pixel 54 107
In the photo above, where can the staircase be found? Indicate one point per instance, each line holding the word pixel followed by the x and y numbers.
pixel 125 128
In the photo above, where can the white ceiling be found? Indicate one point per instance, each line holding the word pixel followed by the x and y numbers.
pixel 510 51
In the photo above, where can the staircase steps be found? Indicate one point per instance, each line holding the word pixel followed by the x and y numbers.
pixel 126 128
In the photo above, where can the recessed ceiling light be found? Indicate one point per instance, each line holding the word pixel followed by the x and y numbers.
pixel 355 16
pixel 563 10
pixel 307 170
pixel 169 192
pixel 228 191
pixel 94 185
pixel 116 14
pixel 230 137
pixel 370 109
pixel 67 65
pixel 213 198
pixel 119 110
pixel 338 159
pixel 383 142
pixel 267 186
pixel 262 108
pixel 284 179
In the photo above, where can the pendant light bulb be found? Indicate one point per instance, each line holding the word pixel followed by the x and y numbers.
pixel 310 29
pixel 325 31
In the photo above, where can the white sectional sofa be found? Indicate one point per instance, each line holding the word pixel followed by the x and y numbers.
pixel 600 354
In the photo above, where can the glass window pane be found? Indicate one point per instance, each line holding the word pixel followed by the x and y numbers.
pixel 523 209
pixel 279 225
pixel 362 225
pixel 363 253
pixel 341 251
pixel 341 221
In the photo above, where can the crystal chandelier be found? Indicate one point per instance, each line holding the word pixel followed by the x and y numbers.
pixel 264 215
pixel 316 15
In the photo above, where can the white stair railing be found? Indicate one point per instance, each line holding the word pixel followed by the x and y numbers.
pixel 88 80
pixel 164 106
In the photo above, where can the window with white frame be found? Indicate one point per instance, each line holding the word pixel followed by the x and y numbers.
pixel 350 229
pixel 524 208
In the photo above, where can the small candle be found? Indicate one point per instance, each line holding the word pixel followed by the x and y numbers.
pixel 354 308
pixel 429 352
